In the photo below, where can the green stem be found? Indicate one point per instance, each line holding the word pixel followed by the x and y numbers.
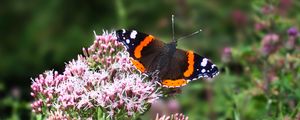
pixel 121 13
pixel 99 113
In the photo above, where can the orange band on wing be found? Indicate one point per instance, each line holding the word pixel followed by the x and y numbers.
pixel 174 83
pixel 190 69
pixel 138 65
pixel 144 43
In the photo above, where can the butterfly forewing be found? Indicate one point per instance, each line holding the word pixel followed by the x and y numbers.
pixel 131 39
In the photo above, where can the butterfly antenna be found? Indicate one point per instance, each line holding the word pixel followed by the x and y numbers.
pixel 194 33
pixel 173 29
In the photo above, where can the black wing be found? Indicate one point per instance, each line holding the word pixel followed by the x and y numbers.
pixel 135 42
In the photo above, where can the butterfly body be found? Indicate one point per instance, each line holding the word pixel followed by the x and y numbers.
pixel 175 67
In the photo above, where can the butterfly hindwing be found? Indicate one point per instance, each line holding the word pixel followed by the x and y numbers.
pixel 187 66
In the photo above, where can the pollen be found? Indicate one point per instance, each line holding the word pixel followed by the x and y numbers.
pixel 138 65
pixel 190 69
pixel 144 43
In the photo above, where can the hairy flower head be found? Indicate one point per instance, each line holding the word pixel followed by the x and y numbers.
pixel 103 79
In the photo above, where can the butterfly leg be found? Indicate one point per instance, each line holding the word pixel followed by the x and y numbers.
pixel 173 91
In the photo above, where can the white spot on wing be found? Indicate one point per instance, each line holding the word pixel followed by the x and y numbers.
pixel 204 62
pixel 127 41
pixel 213 65
pixel 133 34
pixel 123 30
pixel 203 70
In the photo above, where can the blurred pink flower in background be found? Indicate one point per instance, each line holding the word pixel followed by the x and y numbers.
pixel 226 55
pixel 293 32
pixel 104 78
pixel 16 92
pixel 165 107
pixel 260 26
pixel 284 6
pixel 173 106
pixel 269 43
pixel 290 43
pixel 293 35
pixel 158 107
pixel 267 9
pixel 239 18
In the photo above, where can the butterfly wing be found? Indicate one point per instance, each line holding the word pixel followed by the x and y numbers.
pixel 203 67
pixel 186 66
pixel 142 48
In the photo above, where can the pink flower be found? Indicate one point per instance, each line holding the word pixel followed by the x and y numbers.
pixel 267 9
pixel 168 107
pixel 290 43
pixel 176 116
pixel 226 54
pixel 58 115
pixel 239 18
pixel 44 87
pixel 260 26
pixel 173 106
pixel 103 78
pixel 293 35
pixel 269 44
pixel 284 6
pixel 293 32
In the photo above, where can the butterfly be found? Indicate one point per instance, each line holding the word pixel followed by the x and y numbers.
pixel 175 67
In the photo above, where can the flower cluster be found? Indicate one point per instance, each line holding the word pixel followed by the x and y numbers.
pixel 102 83
pixel 176 116
pixel 269 44
pixel 269 62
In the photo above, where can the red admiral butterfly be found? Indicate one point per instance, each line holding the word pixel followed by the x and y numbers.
pixel 175 67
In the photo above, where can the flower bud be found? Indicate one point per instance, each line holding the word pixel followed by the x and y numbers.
pixel 226 54
pixel 292 32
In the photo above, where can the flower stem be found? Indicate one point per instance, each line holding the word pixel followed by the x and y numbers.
pixel 121 13
pixel 99 113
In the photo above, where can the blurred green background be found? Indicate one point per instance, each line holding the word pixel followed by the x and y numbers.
pixel 38 35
